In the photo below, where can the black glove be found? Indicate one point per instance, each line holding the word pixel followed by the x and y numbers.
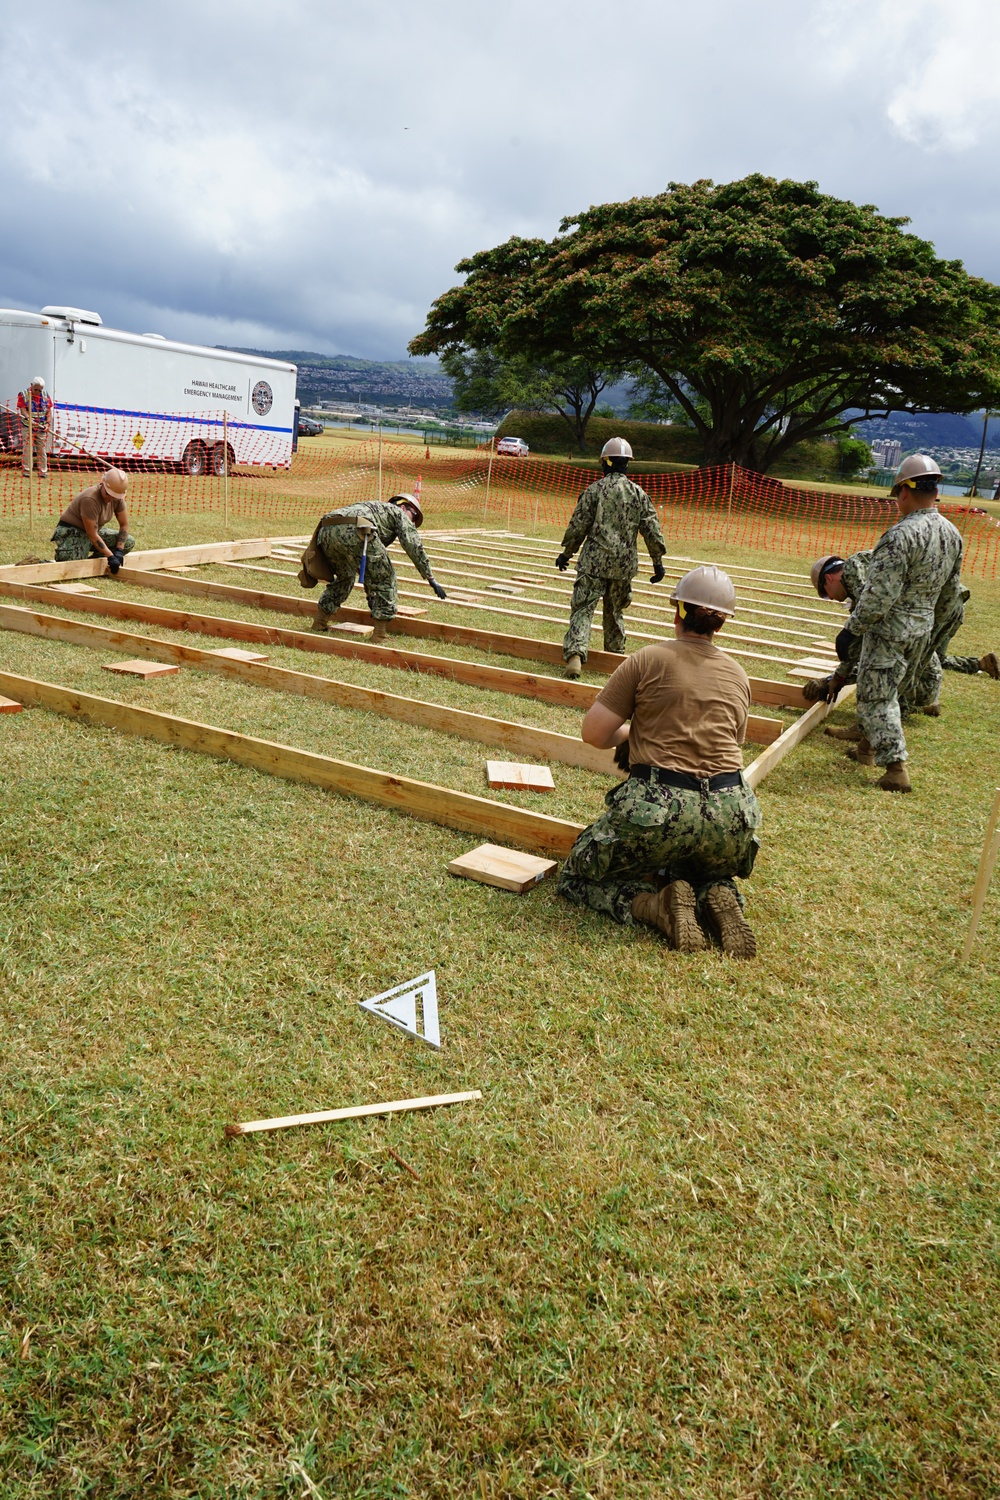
pixel 562 562
pixel 834 684
pixel 437 588
pixel 844 643
pixel 658 574
pixel 115 561
pixel 622 756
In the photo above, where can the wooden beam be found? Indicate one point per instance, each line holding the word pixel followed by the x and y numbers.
pixel 354 1112
pixel 764 764
pixel 418 799
pixel 95 567
pixel 520 739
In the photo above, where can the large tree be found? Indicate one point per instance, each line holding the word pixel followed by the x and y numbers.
pixel 490 383
pixel 767 310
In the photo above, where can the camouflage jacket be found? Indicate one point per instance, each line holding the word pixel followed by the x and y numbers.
pixel 855 576
pixel 391 523
pixel 914 574
pixel 608 516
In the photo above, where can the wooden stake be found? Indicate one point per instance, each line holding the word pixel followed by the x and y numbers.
pixel 987 862
pixel 404 1164
pixel 489 477
pixel 355 1112
pixel 225 464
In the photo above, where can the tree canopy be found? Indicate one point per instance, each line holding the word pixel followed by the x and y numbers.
pixel 766 310
pixel 485 381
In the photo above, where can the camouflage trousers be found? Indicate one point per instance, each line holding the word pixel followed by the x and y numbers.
pixel 653 834
pixel 341 546
pixel 881 671
pixel 73 544
pixel 587 594
pixel 968 664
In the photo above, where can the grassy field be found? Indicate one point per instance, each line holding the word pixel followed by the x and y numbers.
pixel 714 1229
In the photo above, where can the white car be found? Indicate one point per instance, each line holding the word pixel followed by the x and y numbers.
pixel 512 447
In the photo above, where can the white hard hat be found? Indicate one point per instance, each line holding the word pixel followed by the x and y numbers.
pixel 39 380
pixel 917 466
pixel 709 587
pixel 411 500
pixel 616 448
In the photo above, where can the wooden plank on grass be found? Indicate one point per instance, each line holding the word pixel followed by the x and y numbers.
pixel 417 799
pixel 354 1112
pixel 794 735
pixel 516 739
pixel 141 669
pixel 10 706
pixel 94 567
pixel 507 869
pixel 514 776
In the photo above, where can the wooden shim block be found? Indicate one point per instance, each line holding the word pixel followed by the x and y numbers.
pixel 141 668
pixel 135 562
pixel 74 588
pixel 10 706
pixel 513 776
pixel 507 869
pixel 348 627
pixel 819 663
pixel 409 611
pixel 354 1112
pixel 233 653
pixel 987 862
pixel 775 753
pixel 418 799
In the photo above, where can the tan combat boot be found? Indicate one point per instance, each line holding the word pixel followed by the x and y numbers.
pixel 896 778
pixel 862 752
pixel 932 710
pixel 990 664
pixel 574 666
pixel 379 633
pixel 678 901
pixel 320 619
pixel 725 918
pixel 852 732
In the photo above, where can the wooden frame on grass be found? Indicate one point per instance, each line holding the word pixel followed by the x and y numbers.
pixel 136 562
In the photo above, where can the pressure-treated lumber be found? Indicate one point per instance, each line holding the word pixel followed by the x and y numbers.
pixel 135 562
pixel 794 735
pixel 763 690
pixel 418 799
pixel 10 706
pixel 354 1112
pixel 987 864
pixel 506 869
pixel 517 739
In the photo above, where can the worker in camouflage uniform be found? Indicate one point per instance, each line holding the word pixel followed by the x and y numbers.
pixel 914 580
pixel 683 826
pixel 607 518
pixel 360 534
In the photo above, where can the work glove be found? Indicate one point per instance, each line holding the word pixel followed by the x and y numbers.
pixel 844 643
pixel 622 756
pixel 562 562
pixel 437 588
pixel 115 561
pixel 658 574
pixel 834 683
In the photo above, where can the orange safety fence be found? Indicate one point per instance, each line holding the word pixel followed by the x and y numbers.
pixel 233 476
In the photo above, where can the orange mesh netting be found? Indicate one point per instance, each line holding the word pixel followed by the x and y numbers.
pixel 725 504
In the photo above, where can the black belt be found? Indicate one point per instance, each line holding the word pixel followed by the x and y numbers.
pixel 685 780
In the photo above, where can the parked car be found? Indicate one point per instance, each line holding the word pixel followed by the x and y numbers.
pixel 309 427
pixel 512 447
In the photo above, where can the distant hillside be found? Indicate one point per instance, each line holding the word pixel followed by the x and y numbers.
pixel 341 377
pixel 929 430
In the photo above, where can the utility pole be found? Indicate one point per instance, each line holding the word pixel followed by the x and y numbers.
pixel 982 450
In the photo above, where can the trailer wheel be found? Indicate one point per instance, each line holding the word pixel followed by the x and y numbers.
pixel 195 459
pixel 216 459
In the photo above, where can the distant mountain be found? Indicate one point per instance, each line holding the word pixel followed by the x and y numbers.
pixel 929 430
pixel 370 382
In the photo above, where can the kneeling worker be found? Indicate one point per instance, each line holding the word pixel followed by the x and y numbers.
pixel 84 530
pixel 685 811
pixel 354 533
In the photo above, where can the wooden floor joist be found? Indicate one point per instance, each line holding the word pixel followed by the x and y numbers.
pixel 95 567
pixel 794 735
pixel 499 821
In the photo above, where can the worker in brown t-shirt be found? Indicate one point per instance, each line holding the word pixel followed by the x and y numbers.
pixel 84 530
pixel 685 815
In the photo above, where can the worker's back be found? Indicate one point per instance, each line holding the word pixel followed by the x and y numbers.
pixel 621 509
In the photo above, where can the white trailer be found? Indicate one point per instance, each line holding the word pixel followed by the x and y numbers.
pixel 135 396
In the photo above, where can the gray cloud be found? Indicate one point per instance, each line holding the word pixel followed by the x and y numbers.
pixel 307 175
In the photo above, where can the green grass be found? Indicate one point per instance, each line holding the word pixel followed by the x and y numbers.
pixel 714 1229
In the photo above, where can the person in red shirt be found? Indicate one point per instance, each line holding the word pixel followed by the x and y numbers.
pixel 34 407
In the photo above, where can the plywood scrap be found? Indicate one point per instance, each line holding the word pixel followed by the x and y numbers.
pixel 141 668
pixel 10 706
pixel 349 627
pixel 233 653
pixel 513 776
pixel 354 1112
pixel 507 869
pixel 74 588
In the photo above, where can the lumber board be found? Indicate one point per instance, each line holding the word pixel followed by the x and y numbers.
pixel 135 562
pixel 515 776
pixel 143 669
pixel 536 832
pixel 352 1112
pixel 10 706
pixel 527 648
pixel 506 869
pixel 794 735
pixel 519 739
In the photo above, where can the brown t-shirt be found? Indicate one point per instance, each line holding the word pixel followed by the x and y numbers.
pixel 688 703
pixel 91 505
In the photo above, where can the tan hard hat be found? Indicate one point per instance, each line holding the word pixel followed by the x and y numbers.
pixel 820 568
pixel 707 586
pixel 115 482
pixel 917 466
pixel 616 448
pixel 403 499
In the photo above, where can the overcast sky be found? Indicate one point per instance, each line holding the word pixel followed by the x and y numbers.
pixel 306 175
